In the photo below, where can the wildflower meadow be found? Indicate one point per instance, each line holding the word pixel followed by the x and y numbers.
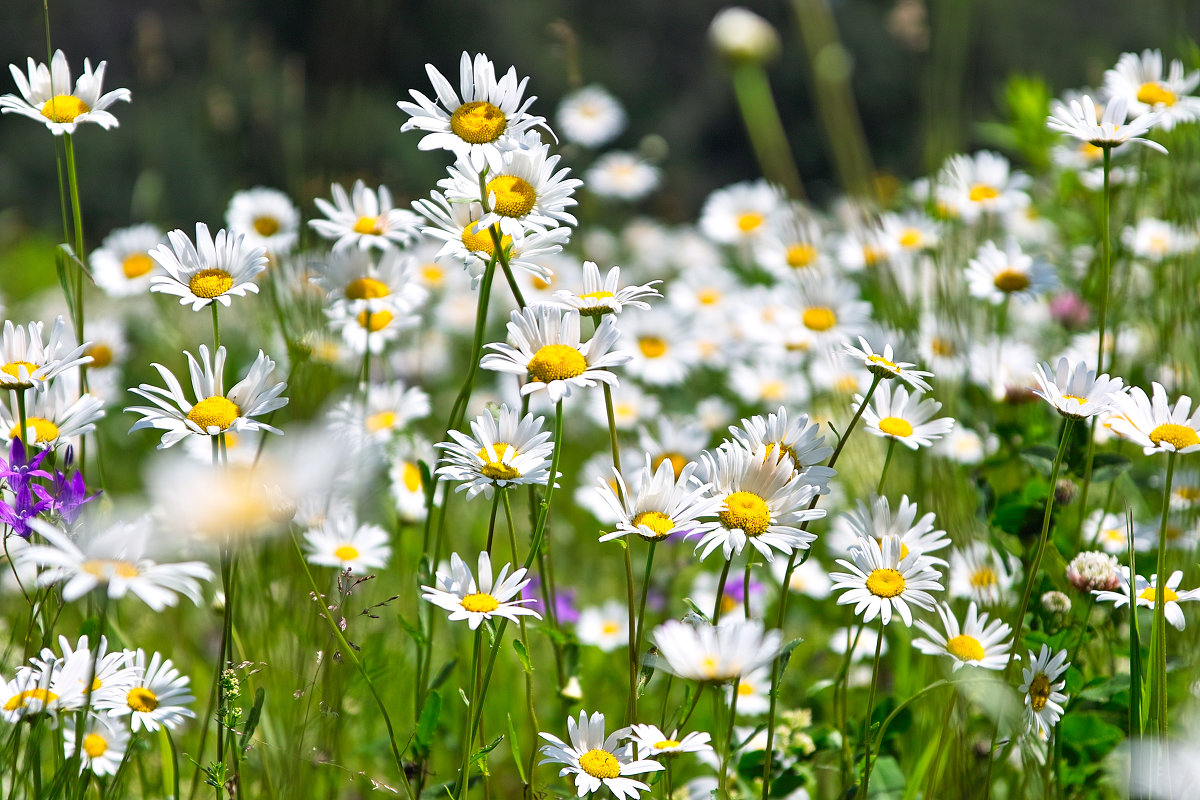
pixel 503 486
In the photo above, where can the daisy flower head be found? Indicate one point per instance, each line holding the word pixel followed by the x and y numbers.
pixel 342 543
pixel 622 175
pixel 102 749
pixel 590 116
pixel 266 217
pixel 663 348
pixel 484 119
pixel 798 442
pixel 606 296
pixel 831 310
pixel 1153 239
pixel 980 574
pixel 29 362
pixel 368 329
pixel 360 283
pixel 215 411
pixel 605 626
pixel 753 692
pixel 1075 391
pixel 897 415
pixel 1140 81
pixel 460 594
pixel 1145 593
pixel 997 275
pixel 158 698
pixel 1154 424
pixel 653 743
pixel 739 213
pixel 791 247
pixel 47 95
pixel 596 761
pixel 54 417
pixel 110 674
pixel 30 693
pixel 503 450
pixel 544 348
pixel 121 265
pixel 976 641
pixel 877 521
pixel 1108 531
pixel 677 440
pixel 723 652
pixel 971 186
pixel 882 583
pixel 739 34
pixel 404 477
pixel 882 365
pixel 390 408
pixel 656 502
pixel 211 270
pixel 1082 121
pixel 1043 690
pixel 364 219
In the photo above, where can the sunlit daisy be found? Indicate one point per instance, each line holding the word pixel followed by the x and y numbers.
pixel 390 408
pixel 458 592
pixel 1043 690
pixel 597 761
pixel 54 417
pixel 1140 81
pixel 808 578
pixel 1154 424
pixel 656 502
pixel 503 450
pixel 47 95
pixel 1107 530
pixel 404 478
pixel 266 217
pixel 997 275
pixel 590 116
pixel 28 694
pixel 622 175
pixel 211 270
pixel 877 521
pixel 1075 391
pixel 662 348
pixel 102 749
pixel 906 418
pixel 159 698
pixel 830 309
pixel 881 582
pixel 1146 594
pixel 703 652
pixel 29 362
pixel 976 642
pixel 365 219
pixel 739 213
pixel 792 245
pixel 368 330
pixel 981 574
pixel 384 284
pixel 798 441
pixel 653 743
pixel 970 186
pixel 109 674
pixel 342 543
pixel 606 626
pixel 606 296
pixel 122 265
pixel 881 364
pixel 1082 121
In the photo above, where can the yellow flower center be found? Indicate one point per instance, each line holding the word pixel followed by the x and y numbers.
pixel 556 362
pixel 1150 594
pixel 374 320
pixel 656 521
pixel 678 462
pixel 13 368
pixel 745 689
pixel 666 744
pixel 212 411
pixel 411 476
pixel 64 108
pixel 141 699
pixel 43 696
pixel 819 318
pixel 1075 397
pixel 747 512
pixel 480 603
pixel 872 255
pixel 478 123
pixel 910 238
pixel 481 240
pixel 497 470
pixel 885 582
pixel 800 256
pixel 266 226
pixel 514 196
pixel 433 274
pixel 601 295
pixel 1152 94
pixel 346 552
pixel 894 426
pixel 600 764
pixel 981 191
pixel 102 356
pixel 1039 691
pixel 94 745
pixel 749 221
pixel 982 578
pixel 366 289
pixel 542 284
pixel 1010 280
pixel 609 628
pixel 383 421
pixel 903 548
pixel 942 347
pixel 1178 436
pixel 43 430
pixel 105 569
pixel 1188 493
pixel 368 226
pixel 965 648
pixel 652 346
pixel 137 265
pixel 210 283
pixel 708 297
pixel 883 362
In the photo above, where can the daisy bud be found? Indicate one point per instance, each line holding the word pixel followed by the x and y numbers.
pixel 1056 603
pixel 1065 492
pixel 739 34
pixel 1093 570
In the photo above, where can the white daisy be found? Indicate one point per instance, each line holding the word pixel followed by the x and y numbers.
pixel 657 502
pixel 653 743
pixel 970 186
pixel 458 592
pixel 28 694
pixel 976 642
pixel 266 217
pixel 362 283
pixel 503 450
pixel 880 582
pixel 365 219
pixel 808 578
pixel 342 543
pixel 631 407
pixel 390 408
pixel 47 95
pixel 830 310
pixel 606 626
pixel 1145 592
pixel 1108 531
pixel 622 175
pixel 102 749
pixel 877 520
pixel 1141 83
pixel 1075 391
pixel 1043 691
pixel 704 652
pixel 739 213
pixel 54 417
pixel 1154 424
pixel 662 347
pixel 373 330
pixel 110 675
pixel 606 296
pixel 997 275
pixel 121 265
pixel 895 414
pixel 596 761
pixel 966 446
pixel 883 365
pixel 753 692
pixel 792 245
pixel 590 116
pixel 1110 130
pixel 676 440
pixel 211 270
pixel 26 362
pixel 798 442
pixel 982 575
pixel 159 698
pixel 404 477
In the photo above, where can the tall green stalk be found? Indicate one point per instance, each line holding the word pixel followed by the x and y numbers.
pixel 866 737
pixel 1158 633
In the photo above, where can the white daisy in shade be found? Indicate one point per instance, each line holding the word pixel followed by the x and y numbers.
pixel 460 594
pixel 29 694
pixel 1075 391
pixel 1154 424
pixel 54 417
pixel 266 217
pixel 1155 239
pixel 1107 531
pixel 763 500
pixel 1082 121
pixel 1140 81
pixel 997 275
pixel 877 520
pixel 704 652
pixel 881 583
pixel 480 121
pixel 606 296
pixel 798 442
pixel 653 743
pixel 503 450
pixel 544 348
pixel 361 283
pixel 47 95
pixel 342 543
pixel 982 575
pixel 590 116
pixel 211 270
pixel 605 626
pixel 622 175
pixel 102 748
pixel 159 697
pixel 970 186
pixel 390 408
pixel 1145 592
pixel 656 503
pixel 906 418
pixel 1043 690
pixel 881 364
pixel 121 265
pixel 214 411
pixel 753 692
pixel 976 641
pixel 631 406
pixel 364 219
pixel 109 674
pixel 28 362
pixel 597 761
pixel 113 557
pixel 739 213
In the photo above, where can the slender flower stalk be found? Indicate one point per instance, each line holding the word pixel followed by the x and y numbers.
pixel 1158 634
pixel 866 781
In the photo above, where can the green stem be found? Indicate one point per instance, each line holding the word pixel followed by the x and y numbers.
pixel 1158 635
pixel 216 325
pixel 1106 259
pixel 77 224
pixel 492 519
pixel 716 615
pixel 641 616
pixel 728 753
pixel 887 460
pixel 631 709
pixel 461 784
pixel 870 708
pixel 765 127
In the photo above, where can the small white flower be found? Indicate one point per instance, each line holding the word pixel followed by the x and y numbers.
pixel 26 362
pixel 266 217
pixel 1154 424
pixel 102 749
pixel 653 743
pixel 159 698
pixel 122 265
pixel 342 543
pixel 211 270
pixel 504 450
pixel 1111 130
pixel 606 626
pixel 47 95
pixel 1145 593
pixel 903 417
pixel 622 175
pixel 460 594
pixel 881 364
pixel 1074 390
pixel 590 116
pixel 365 219
pixel 976 642
pixel 656 502
pixel 597 761
pixel 1140 81
pixel 996 275
pixel 739 213
pixel 881 583
pixel 704 652
pixel 606 296
pixel 1043 691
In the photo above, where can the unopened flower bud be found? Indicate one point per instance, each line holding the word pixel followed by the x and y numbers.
pixel 1056 603
pixel 739 34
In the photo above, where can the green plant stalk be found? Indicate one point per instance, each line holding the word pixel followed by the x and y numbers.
pixel 77 224
pixel 1158 633
pixel 1106 259
pixel 887 460
pixel 533 720
pixel 866 781
pixel 631 706
pixel 641 616
pixel 1135 650
pixel 216 325
pixel 765 127
pixel 841 687
pixel 469 723
pixel 727 754
pixel 492 519
pixel 716 615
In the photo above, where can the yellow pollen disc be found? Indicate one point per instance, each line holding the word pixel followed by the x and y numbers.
pixel 982 578
pixel 745 689
pixel 600 764
pixel 411 477
pixel 210 283
pixel 678 462
pixel 106 568
pixel 609 628
pixel 556 362
pixel 481 240
pixel 375 321
pixel 514 196
pixel 747 512
pixel 981 191
pixel 942 347
pixel 43 696
pixel 366 289
pixel 666 744
pixel 781 453
pixel 43 430
pixel 478 123
pixel 64 108
pixel 1189 493
pixel 846 384
pixel 1152 94
pixel 1077 398
pixel 819 318
pixel 773 391
pixel 1009 280
pixel 212 411
pixel 346 552
pixel 894 426
pixel 383 421
pixel 94 745
pixel 1178 436
pixel 903 548
pixel 652 346
pixel 433 274
pixel 800 256
pixel 96 685
pixel 728 603
pixel 1090 151
pixel 137 265
pixel 266 226
pixel 102 356
pixel 749 221
pixel 883 362
pixel 141 699
pixel 541 284
pixel 480 603
pixel 709 665
pixel 497 470
pixel 13 368
pixel 708 297
pixel 965 648
pixel 1039 691
pixel 910 238
pixel 368 226
pixel 872 255
pixel 885 582
pixel 1150 594
pixel 601 295
pixel 656 521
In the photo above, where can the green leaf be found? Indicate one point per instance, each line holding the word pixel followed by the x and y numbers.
pixel 443 673
pixel 523 656
pixel 1090 734
pixel 646 672
pixel 887 779
pixel 252 718
pixel 785 655
pixel 487 748
pixel 514 746
pixel 415 633
pixel 1040 457
pixel 427 723
pixel 169 759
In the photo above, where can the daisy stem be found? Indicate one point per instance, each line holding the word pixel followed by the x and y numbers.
pixel 1087 478
pixel 631 709
pixel 728 754
pixel 853 421
pixel 716 615
pixel 77 225
pixel 533 720
pixel 1158 634
pixel 746 591
pixel 641 616
pixel 492 520
pixel 217 326
pixel 502 256
pixel 763 124
pixel 887 460
pixel 843 708
pixel 862 792
pixel 1106 259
